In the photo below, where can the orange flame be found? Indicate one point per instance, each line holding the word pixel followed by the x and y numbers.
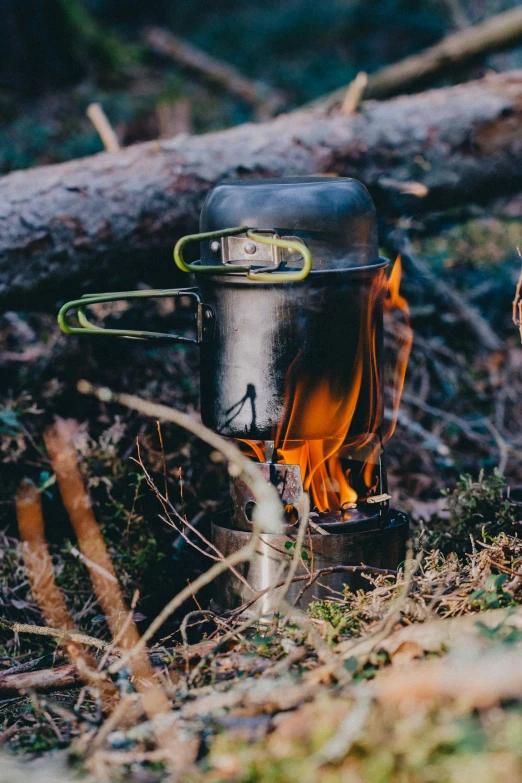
pixel 314 405
pixel 396 302
pixel 254 449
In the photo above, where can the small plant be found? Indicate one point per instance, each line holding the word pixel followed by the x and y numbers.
pixel 290 547
pixel 481 506
pixel 492 595
pixel 331 612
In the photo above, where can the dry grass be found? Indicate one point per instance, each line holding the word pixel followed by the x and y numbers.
pixel 292 698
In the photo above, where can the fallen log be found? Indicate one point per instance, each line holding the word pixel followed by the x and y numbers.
pixel 112 219
pixel 496 34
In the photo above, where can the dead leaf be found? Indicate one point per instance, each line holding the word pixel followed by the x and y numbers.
pixel 200 649
pixel 405 653
pixel 322 675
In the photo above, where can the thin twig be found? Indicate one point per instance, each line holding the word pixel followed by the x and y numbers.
pixel 354 93
pixel 168 506
pixel 317 528
pixel 183 630
pixel 100 121
pixel 455 302
pixel 44 630
pixel 298 547
pixel 268 512
pixel 517 319
pixel 92 565
pixel 160 435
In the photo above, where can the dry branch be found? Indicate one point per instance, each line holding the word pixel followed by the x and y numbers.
pixel 517 304
pixel 64 460
pixel 436 635
pixel 59 443
pixel 112 219
pixel 213 71
pixel 450 297
pixel 42 680
pixel 479 681
pixel 461 48
pixel 40 574
pixel 37 558
pixel 55 633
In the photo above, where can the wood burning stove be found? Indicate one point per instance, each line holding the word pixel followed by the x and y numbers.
pixel 290 297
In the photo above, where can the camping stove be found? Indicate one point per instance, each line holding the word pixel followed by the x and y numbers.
pixel 367 533
pixel 290 297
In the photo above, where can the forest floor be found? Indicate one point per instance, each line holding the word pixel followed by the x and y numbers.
pixel 416 679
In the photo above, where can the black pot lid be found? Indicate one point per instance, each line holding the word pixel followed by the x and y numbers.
pixel 335 216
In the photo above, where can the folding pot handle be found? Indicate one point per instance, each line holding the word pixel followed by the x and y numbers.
pixel 263 275
pixel 205 315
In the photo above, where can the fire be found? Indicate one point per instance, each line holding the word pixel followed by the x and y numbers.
pixel 254 449
pixel 323 476
pixel 315 404
pixel 395 302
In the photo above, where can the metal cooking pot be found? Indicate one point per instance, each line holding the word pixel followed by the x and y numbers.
pixel 289 300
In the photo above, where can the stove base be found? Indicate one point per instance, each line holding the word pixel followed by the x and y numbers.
pixel 381 547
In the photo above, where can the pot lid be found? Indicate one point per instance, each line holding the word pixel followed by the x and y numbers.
pixel 334 216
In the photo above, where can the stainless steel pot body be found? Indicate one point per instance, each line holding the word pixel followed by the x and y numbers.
pixel 273 345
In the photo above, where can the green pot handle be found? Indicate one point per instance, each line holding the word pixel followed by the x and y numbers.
pixel 205 319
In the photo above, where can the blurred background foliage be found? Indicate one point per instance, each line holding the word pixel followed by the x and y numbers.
pixel 57 56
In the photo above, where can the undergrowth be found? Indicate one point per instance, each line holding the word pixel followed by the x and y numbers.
pixel 476 508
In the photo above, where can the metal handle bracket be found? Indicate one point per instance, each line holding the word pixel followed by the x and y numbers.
pixel 263 275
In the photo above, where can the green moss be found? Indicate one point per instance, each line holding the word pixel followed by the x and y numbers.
pixel 331 612
pixel 481 242
pixel 481 505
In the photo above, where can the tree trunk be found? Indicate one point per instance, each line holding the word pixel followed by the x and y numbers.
pixel 112 219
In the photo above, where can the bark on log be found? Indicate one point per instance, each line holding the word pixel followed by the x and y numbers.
pixel 111 219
